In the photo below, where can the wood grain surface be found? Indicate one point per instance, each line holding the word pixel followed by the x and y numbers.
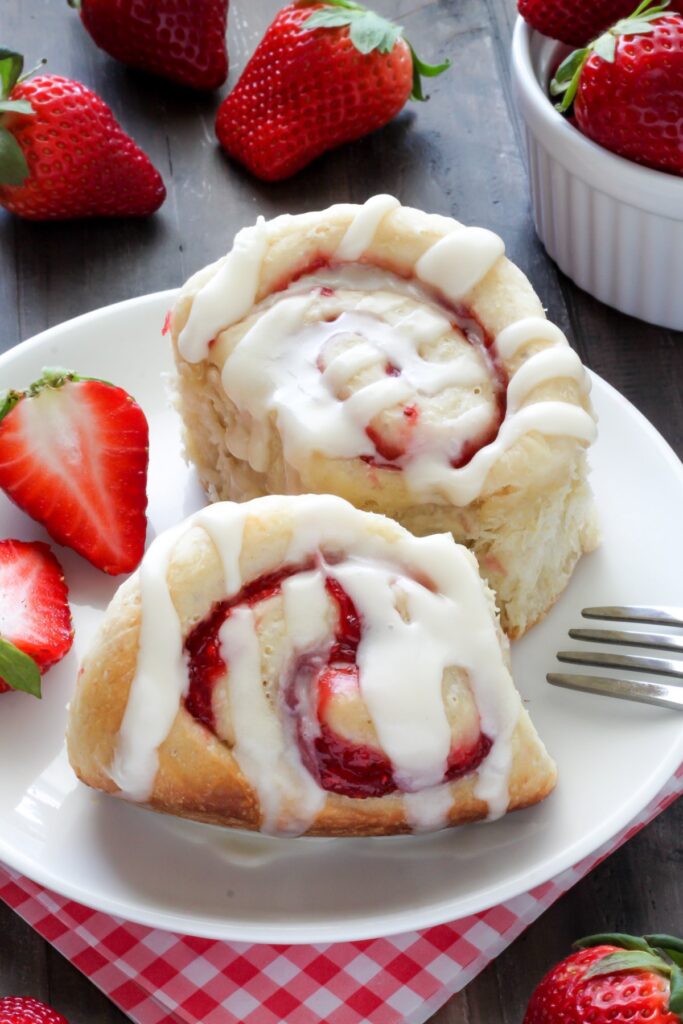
pixel 459 154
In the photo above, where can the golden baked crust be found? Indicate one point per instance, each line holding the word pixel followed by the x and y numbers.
pixel 534 516
pixel 198 775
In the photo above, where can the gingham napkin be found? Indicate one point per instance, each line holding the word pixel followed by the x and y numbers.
pixel 160 978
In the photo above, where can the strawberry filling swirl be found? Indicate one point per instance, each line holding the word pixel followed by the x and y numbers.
pixel 315 684
pixel 391 447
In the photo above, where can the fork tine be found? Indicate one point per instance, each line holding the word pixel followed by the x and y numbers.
pixel 654 614
pixel 659 641
pixel 629 662
pixel 660 694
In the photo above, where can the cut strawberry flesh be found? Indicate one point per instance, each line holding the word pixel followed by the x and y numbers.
pixel 34 607
pixel 75 458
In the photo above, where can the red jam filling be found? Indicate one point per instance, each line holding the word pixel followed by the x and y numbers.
pixel 341 766
pixel 203 647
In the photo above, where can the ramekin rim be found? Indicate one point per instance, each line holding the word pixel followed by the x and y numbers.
pixel 602 161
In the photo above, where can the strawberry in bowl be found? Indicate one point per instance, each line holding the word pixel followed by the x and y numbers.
pixel 606 188
pixel 577 22
pixel 626 88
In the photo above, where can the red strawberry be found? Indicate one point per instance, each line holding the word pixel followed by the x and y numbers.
pixel 35 620
pixel 63 154
pixel 627 88
pixel 323 74
pixel 25 1010
pixel 183 40
pixel 613 979
pixel 73 454
pixel 577 22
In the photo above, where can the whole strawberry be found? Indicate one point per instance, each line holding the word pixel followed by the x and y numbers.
pixel 63 154
pixel 73 455
pixel 183 40
pixel 25 1010
pixel 35 618
pixel 613 979
pixel 323 74
pixel 577 22
pixel 627 88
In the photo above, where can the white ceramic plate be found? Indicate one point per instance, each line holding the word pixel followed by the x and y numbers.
pixel 613 757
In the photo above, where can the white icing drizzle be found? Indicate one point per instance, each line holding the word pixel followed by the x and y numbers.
pixel 427 810
pixel 224 524
pixel 401 665
pixel 161 674
pixel 540 368
pixel 228 295
pixel 275 366
pixel 459 261
pixel 401 658
pixel 273 371
pixel 288 795
pixel 426 475
pixel 324 519
pixel 363 227
pixel 160 677
pixel 532 328
pixel 305 604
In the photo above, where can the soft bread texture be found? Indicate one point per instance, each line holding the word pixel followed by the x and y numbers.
pixel 535 515
pixel 198 775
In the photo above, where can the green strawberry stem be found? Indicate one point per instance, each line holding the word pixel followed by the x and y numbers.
pixel 13 166
pixel 568 75
pixel 660 954
pixel 18 670
pixel 369 31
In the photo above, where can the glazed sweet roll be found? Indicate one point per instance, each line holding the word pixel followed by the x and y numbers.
pixel 399 360
pixel 295 665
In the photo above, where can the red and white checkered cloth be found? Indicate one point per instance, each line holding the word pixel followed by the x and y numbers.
pixel 160 978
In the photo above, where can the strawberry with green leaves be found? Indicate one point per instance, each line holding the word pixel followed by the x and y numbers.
pixel 35 619
pixel 73 455
pixel 613 979
pixel 64 155
pixel 626 88
pixel 577 22
pixel 323 74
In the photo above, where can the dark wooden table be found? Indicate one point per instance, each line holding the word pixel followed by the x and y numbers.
pixel 461 153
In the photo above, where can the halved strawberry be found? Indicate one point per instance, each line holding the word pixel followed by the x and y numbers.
pixel 35 620
pixel 73 455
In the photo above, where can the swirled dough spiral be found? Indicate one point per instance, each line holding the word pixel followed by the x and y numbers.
pixel 295 665
pixel 399 360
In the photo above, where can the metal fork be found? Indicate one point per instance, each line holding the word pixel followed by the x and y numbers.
pixel 667 695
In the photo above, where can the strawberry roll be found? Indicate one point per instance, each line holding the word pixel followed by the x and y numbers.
pixel 399 360
pixel 297 666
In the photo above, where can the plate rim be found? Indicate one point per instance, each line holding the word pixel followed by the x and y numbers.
pixel 398 922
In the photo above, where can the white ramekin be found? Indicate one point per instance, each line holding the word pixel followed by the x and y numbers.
pixel 614 227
